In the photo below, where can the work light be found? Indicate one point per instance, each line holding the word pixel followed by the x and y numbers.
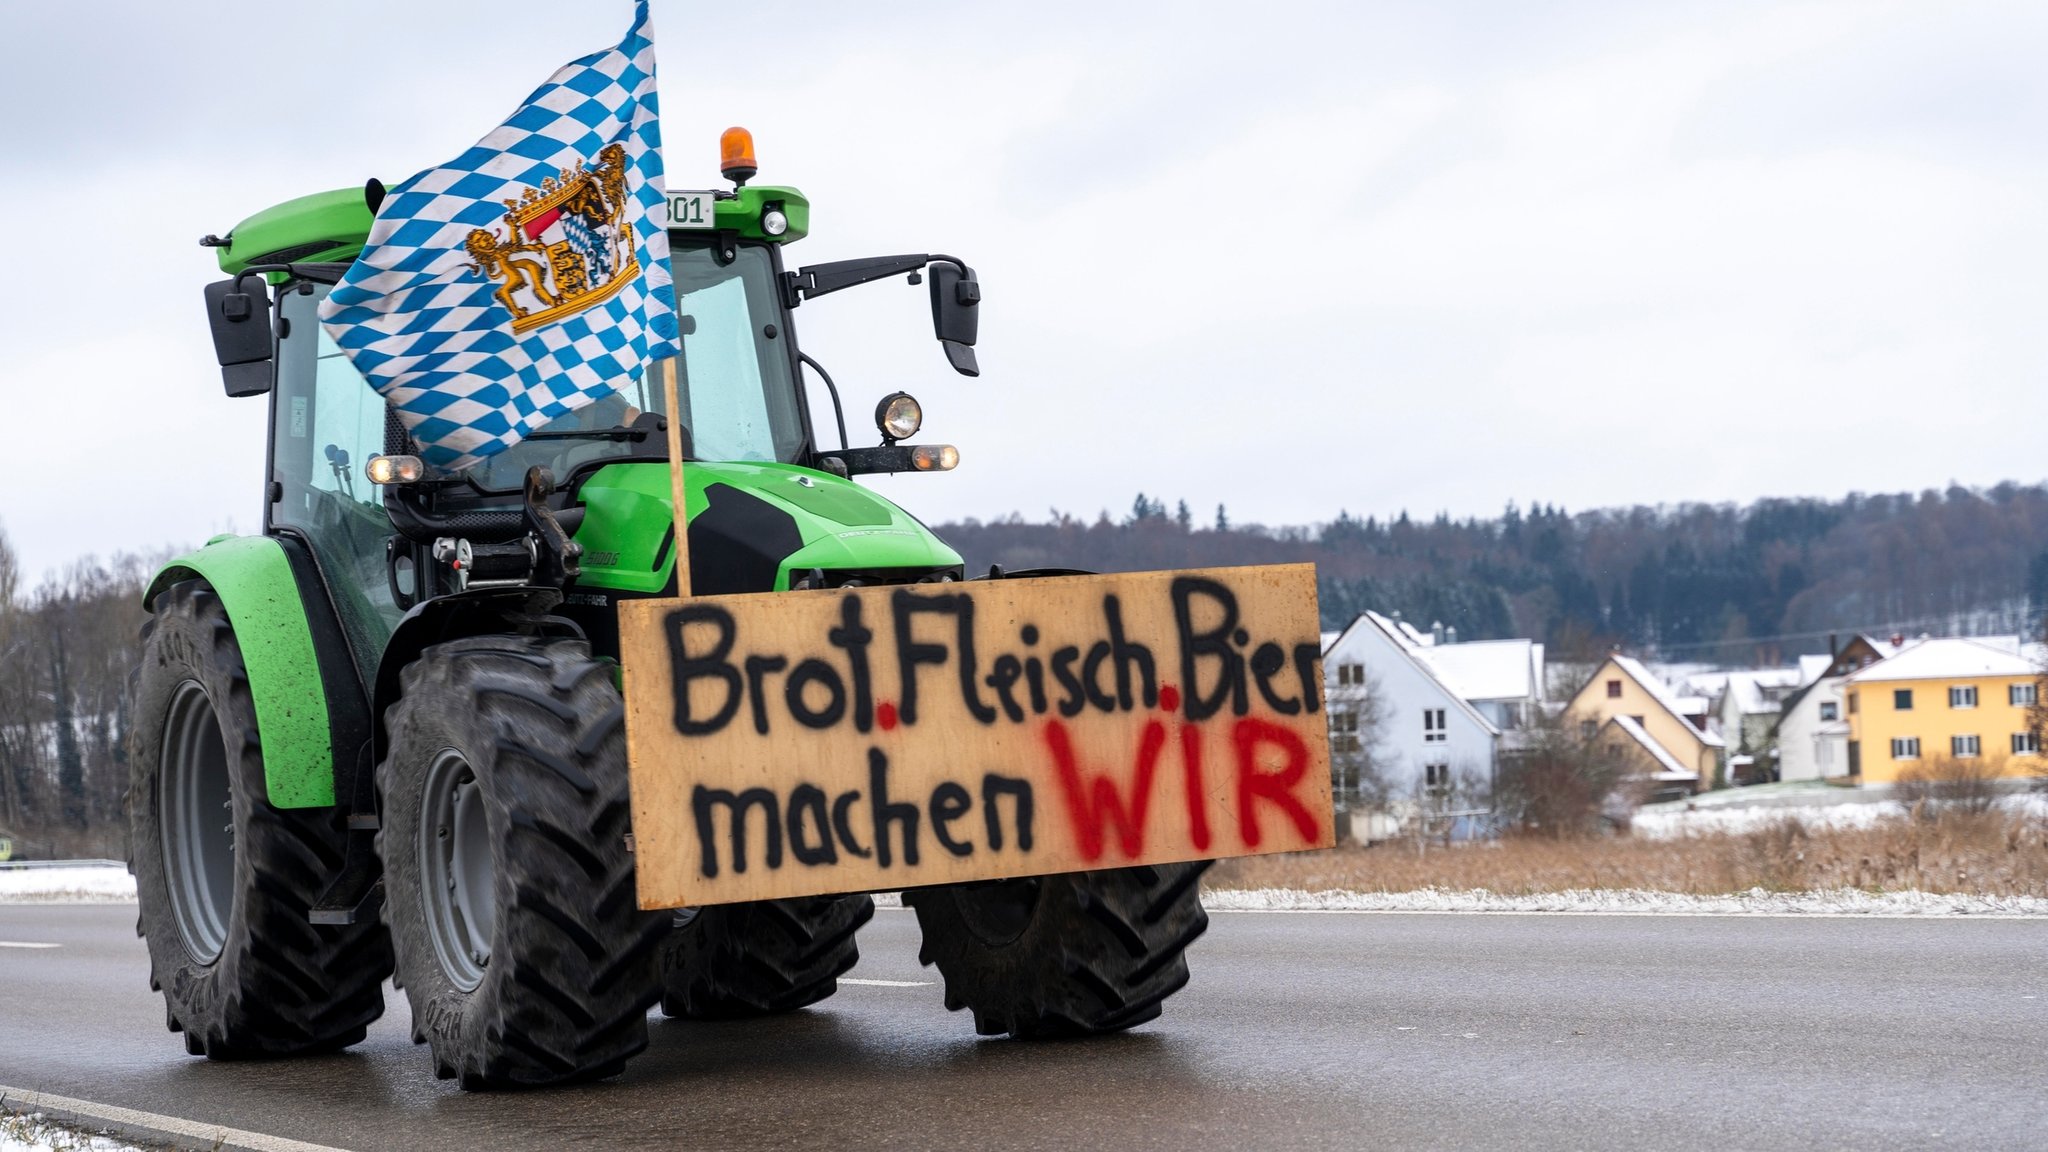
pixel 898 416
pixel 394 469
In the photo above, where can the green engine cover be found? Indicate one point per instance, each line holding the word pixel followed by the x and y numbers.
pixel 792 520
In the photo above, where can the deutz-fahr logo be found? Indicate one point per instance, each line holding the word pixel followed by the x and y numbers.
pixel 570 246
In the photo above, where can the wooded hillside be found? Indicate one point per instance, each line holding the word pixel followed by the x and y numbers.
pixel 1758 582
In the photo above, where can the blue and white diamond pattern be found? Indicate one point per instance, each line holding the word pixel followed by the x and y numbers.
pixel 420 320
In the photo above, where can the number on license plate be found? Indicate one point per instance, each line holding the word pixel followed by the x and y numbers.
pixel 690 210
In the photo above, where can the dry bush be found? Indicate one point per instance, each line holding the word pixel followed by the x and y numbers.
pixel 1950 783
pixel 1561 783
pixel 1993 854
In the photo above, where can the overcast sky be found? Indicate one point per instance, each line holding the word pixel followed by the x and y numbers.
pixel 1287 257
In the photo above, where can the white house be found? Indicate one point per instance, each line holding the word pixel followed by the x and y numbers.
pixel 1503 679
pixel 1432 741
pixel 1812 736
pixel 1751 700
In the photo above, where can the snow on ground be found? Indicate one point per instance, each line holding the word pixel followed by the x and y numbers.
pixel 1838 902
pixel 80 882
pixel 1700 818
pixel 34 1132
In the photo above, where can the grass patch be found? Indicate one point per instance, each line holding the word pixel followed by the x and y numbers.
pixel 1983 854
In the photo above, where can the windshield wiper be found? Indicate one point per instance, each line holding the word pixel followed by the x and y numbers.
pixel 642 426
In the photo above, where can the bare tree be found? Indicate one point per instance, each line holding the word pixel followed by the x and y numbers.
pixel 1563 781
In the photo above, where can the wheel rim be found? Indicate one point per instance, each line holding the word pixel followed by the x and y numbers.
pixel 456 870
pixel 198 822
pixel 999 911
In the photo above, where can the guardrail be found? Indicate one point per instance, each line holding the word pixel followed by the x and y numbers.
pixel 12 865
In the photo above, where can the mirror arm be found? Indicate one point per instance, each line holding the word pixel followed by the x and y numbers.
pixel 816 280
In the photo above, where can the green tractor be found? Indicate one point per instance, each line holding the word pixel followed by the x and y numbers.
pixel 385 738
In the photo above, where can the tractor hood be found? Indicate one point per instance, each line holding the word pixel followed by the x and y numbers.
pixel 753 528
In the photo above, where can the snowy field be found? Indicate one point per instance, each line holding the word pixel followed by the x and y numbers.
pixel 1710 815
pixel 71 882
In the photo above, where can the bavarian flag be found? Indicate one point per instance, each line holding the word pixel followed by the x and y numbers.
pixel 529 276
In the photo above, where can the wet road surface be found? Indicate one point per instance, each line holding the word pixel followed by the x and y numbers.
pixel 1298 1031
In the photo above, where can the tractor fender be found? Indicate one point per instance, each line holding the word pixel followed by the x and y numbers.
pixel 311 716
pixel 475 612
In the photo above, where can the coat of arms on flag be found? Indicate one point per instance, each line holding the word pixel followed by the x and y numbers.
pixel 568 243
pixel 529 276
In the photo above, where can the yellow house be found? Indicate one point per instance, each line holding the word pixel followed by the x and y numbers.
pixel 1952 697
pixel 1622 687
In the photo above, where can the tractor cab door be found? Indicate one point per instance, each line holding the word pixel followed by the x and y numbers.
pixel 326 422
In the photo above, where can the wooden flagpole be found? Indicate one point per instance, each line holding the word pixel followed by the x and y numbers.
pixel 675 473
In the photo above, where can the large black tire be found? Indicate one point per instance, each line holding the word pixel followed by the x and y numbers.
pixel 735 960
pixel 224 880
pixel 509 886
pixel 1068 955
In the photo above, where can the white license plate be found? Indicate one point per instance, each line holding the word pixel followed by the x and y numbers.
pixel 690 210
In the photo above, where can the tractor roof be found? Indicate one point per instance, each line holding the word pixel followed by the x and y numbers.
pixel 332 226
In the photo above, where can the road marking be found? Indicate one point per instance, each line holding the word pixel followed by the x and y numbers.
pixel 209 1135
pixel 887 983
pixel 26 944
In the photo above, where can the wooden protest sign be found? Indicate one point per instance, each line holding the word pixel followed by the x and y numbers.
pixel 796 743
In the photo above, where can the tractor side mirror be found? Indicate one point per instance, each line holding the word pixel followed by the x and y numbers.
pixel 956 313
pixel 238 310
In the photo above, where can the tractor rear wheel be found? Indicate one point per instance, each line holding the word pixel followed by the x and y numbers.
pixel 223 879
pixel 1068 955
pixel 509 884
pixel 754 959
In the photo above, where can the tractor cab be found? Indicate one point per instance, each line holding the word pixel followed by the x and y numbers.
pixel 578 505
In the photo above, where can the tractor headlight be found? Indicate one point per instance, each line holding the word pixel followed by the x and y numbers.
pixel 898 416
pixel 773 222
pixel 394 469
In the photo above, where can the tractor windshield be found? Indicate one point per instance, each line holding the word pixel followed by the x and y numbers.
pixel 734 379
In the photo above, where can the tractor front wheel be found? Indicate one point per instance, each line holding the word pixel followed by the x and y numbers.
pixel 224 879
pixel 508 882
pixel 1067 955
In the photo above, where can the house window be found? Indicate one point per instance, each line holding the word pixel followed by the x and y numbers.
pixel 1962 696
pixel 1852 703
pixel 1433 727
pixel 2021 695
pixel 2026 744
pixel 1436 778
pixel 1902 699
pixel 1964 747
pixel 1905 747
pixel 1343 731
pixel 1587 728
pixel 1829 710
pixel 1349 675
pixel 1614 689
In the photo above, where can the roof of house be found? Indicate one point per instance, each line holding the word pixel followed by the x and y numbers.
pixel 1662 694
pixel 1404 643
pixel 1488 669
pixel 1668 765
pixel 1947 658
pixel 1813 667
pixel 1763 690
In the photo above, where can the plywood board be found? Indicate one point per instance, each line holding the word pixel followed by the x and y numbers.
pixel 796 743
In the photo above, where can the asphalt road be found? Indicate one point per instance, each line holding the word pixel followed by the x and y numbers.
pixel 1299 1031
